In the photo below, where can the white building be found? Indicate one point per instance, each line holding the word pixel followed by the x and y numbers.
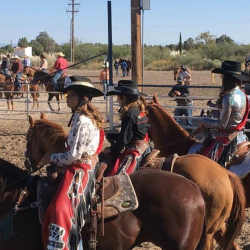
pixel 21 52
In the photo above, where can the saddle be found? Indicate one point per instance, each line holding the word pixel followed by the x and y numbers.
pixel 113 195
pixel 240 153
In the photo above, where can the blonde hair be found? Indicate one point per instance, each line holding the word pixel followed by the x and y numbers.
pixel 131 101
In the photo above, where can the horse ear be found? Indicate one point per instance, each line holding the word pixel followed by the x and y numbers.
pixel 42 115
pixel 31 121
pixel 155 99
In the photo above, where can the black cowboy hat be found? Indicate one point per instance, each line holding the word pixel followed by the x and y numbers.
pixel 231 68
pixel 81 84
pixel 126 87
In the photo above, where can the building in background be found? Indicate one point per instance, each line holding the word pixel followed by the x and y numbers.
pixel 22 52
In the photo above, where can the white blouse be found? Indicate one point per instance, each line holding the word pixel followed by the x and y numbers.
pixel 83 140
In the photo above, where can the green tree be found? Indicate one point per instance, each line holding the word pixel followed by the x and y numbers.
pixel 180 44
pixel 37 48
pixel 205 38
pixel 224 39
pixel 23 42
pixel 189 44
pixel 47 42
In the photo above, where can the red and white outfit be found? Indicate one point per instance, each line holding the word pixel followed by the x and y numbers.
pixel 66 213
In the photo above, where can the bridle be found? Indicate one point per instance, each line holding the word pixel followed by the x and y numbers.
pixel 30 161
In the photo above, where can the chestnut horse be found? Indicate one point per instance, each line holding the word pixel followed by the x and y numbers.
pixel 171 138
pixel 46 79
pixel 179 224
pixel 7 83
pixel 222 191
pixel 28 74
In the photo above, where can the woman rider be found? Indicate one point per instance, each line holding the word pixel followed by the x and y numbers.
pixel 234 107
pixel 66 213
pixel 131 144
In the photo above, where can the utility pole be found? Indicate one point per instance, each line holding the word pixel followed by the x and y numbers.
pixel 73 10
pixel 136 42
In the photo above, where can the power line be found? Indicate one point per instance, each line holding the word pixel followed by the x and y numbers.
pixel 74 9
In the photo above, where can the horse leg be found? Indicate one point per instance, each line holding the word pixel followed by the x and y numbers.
pixel 49 99
pixel 8 105
pixel 36 99
pixel 58 102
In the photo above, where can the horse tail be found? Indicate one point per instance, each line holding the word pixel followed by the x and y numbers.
pixel 236 218
pixel 202 243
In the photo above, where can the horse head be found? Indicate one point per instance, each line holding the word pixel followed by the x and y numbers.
pixel 164 131
pixel 43 136
pixel 176 72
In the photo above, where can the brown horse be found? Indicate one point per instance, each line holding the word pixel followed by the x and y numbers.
pixel 224 198
pixel 179 224
pixel 46 79
pixel 28 76
pixel 171 138
pixel 7 84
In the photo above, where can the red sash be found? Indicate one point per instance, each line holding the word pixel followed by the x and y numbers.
pixel 102 137
pixel 241 125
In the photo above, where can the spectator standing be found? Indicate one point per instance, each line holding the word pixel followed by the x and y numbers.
pixel 104 78
pixel 5 64
pixel 43 63
pixel 124 68
pixel 26 61
pixel 184 74
pixel 116 65
pixel 60 67
pixel 179 91
pixel 17 68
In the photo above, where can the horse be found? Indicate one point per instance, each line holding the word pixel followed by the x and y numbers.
pixel 7 83
pixel 46 79
pixel 179 224
pixel 176 74
pixel 171 138
pixel 224 198
pixel 28 76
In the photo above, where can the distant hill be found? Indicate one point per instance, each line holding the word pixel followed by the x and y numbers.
pixel 4 44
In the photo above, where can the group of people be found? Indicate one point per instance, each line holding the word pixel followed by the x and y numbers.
pixel 125 67
pixel 129 146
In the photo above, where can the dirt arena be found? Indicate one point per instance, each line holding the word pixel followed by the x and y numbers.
pixel 14 125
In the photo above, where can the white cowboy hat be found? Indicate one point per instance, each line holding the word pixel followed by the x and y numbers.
pixel 60 54
pixel 105 64
pixel 16 57
pixel 4 56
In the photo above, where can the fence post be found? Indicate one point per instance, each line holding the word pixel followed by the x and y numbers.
pixel 27 100
pixel 212 78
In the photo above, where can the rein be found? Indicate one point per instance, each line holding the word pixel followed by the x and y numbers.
pixel 177 142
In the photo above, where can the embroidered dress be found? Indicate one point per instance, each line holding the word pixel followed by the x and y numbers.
pixel 66 213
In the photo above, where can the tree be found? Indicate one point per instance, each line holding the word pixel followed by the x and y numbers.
pixel 224 39
pixel 189 44
pixel 180 44
pixel 205 38
pixel 172 46
pixel 47 42
pixel 37 48
pixel 23 42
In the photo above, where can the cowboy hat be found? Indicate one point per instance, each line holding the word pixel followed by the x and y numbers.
pixel 16 57
pixel 105 64
pixel 231 68
pixel 126 87
pixel 180 79
pixel 60 54
pixel 43 56
pixel 4 56
pixel 81 84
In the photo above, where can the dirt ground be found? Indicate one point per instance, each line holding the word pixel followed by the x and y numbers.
pixel 14 125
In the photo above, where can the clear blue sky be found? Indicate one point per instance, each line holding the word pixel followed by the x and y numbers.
pixel 26 18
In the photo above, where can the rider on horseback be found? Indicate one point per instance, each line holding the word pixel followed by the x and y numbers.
pixel 133 137
pixel 234 108
pixel 67 211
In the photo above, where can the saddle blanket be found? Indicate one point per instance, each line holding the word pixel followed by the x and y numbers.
pixel 242 169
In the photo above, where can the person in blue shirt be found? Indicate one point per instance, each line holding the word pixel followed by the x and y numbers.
pixel 26 61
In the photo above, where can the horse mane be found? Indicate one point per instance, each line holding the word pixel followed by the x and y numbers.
pixel 168 121
pixel 53 132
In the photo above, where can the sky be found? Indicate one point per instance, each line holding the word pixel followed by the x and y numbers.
pixel 162 23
